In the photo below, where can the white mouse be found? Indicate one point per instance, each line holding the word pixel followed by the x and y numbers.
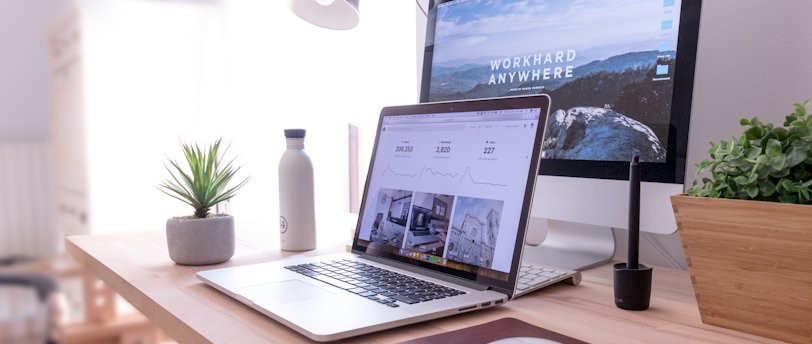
pixel 524 340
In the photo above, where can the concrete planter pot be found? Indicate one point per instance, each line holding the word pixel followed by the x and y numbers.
pixel 200 241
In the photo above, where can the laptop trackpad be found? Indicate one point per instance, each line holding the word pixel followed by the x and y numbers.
pixel 284 292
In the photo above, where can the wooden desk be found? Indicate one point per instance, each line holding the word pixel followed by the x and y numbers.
pixel 137 266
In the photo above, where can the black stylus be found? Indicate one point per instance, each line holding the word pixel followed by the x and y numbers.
pixel 632 279
pixel 634 214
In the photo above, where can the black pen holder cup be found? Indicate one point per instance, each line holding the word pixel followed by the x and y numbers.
pixel 632 287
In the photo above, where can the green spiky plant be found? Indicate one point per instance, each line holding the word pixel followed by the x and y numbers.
pixel 206 185
pixel 765 163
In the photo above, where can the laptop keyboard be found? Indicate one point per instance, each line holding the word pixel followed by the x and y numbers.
pixel 376 284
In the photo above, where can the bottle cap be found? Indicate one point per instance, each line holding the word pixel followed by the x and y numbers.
pixel 294 133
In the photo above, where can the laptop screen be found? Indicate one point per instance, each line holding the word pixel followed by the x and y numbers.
pixel 446 189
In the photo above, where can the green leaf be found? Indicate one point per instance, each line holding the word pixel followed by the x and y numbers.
pixel 779 187
pixel 754 133
pixel 798 143
pixel 773 148
pixel 804 196
pixel 767 189
pixel 763 171
pixel 205 184
pixel 753 152
pixel 743 141
pixel 778 173
pixel 735 151
pixel 778 161
pixel 797 173
pixel 795 156
pixel 731 183
pixel 781 133
pixel 752 191
pixel 786 184
pixel 712 150
pixel 788 198
pixel 724 149
pixel 704 164
pixel 766 137
pixel 737 162
pixel 765 162
pixel 800 111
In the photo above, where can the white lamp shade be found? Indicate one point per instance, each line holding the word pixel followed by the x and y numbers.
pixel 329 14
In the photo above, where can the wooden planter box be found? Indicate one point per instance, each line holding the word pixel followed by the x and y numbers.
pixel 750 264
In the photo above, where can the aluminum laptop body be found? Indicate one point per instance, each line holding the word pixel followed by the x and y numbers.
pixel 469 165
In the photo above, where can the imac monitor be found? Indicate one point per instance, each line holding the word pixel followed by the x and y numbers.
pixel 420 218
pixel 620 78
pixel 399 210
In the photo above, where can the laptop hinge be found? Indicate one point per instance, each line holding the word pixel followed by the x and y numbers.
pixel 427 272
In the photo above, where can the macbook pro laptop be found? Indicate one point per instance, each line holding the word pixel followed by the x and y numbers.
pixel 474 163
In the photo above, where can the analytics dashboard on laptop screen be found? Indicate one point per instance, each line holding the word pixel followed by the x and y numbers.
pixel 447 189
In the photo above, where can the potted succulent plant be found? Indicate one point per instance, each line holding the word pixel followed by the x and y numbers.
pixel 747 230
pixel 201 238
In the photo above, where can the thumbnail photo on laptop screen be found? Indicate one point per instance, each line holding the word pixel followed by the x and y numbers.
pixel 608 67
pixel 440 191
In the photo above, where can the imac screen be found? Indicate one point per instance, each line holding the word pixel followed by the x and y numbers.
pixel 608 66
pixel 420 218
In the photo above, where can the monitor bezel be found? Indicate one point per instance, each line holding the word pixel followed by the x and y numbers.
pixel 673 169
pixel 518 102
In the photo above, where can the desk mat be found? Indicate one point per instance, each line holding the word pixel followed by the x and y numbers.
pixel 493 331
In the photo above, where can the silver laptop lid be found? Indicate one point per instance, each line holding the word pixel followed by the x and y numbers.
pixel 450 186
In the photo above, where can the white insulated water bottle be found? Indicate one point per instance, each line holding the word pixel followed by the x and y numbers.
pixel 297 213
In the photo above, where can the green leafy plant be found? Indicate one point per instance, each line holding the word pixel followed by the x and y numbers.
pixel 206 185
pixel 765 163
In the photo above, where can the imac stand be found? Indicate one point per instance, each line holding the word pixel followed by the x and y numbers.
pixel 569 245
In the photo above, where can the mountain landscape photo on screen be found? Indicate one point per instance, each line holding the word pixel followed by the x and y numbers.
pixel 608 67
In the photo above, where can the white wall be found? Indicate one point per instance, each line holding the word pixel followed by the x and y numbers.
pixel 288 73
pixel 752 60
pixel 25 103
pixel 244 69
pixel 26 194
